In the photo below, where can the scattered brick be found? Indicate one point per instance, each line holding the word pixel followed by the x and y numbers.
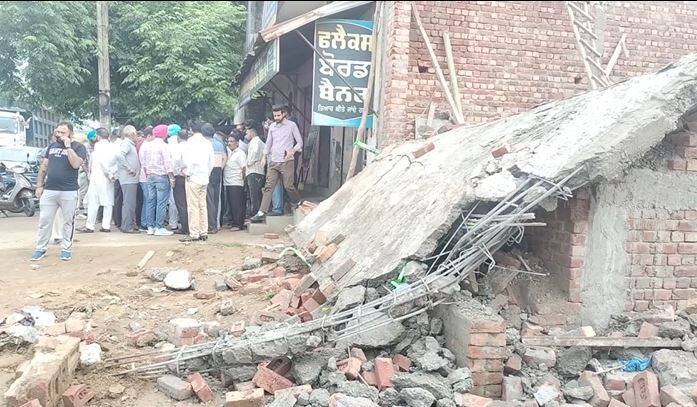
pixel 615 383
pixel 358 354
pixel 141 338
pixel 384 370
pixel 74 325
pixel 472 400
pixel 499 151
pixel 403 362
pixel 370 378
pixel 351 367
pixel 269 380
pixel 283 298
pixel 528 330
pixel 513 365
pixel 671 394
pixel 200 387
pixel 246 398
pixel 648 330
pixel 204 295
pixel 244 386
pixel 77 396
pixel 271 236
pixel 646 393
pixel 487 326
pixel 601 398
pixel 425 148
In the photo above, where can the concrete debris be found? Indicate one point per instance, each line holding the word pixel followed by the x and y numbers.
pixel 433 382
pixel 349 298
pixel 251 263
pixel 387 335
pixel 547 394
pixel 416 397
pixel 285 400
pixel 574 391
pixel 342 400
pixel 572 361
pixel 116 390
pixel 534 357
pixel 158 275
pixel 358 389
pixel 90 355
pixel 674 329
pixel 319 398
pixel 23 334
pixel 179 279
pixel 675 368
pixel 175 387
pixel 389 397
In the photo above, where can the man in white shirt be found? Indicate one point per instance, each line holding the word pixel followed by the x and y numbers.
pixel 233 180
pixel 255 168
pixel 198 164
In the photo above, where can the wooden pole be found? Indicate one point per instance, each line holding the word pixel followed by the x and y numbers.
pixel 451 68
pixel 439 72
pixel 362 127
pixel 103 64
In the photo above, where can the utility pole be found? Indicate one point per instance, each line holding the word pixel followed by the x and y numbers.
pixel 103 55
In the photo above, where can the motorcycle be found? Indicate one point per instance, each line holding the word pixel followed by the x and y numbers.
pixel 17 193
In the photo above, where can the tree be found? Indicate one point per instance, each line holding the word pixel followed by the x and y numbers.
pixel 170 61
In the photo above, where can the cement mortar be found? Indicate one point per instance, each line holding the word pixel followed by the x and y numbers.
pixel 604 289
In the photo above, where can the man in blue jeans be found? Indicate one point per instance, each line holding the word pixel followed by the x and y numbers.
pixel 157 166
pixel 277 200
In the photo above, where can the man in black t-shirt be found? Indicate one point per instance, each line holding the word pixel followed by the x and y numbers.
pixel 56 188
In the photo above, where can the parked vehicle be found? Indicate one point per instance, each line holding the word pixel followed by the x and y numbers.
pixel 17 192
pixel 13 129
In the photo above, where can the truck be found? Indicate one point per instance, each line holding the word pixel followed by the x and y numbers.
pixel 13 129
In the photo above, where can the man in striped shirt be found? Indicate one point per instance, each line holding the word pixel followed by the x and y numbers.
pixel 156 163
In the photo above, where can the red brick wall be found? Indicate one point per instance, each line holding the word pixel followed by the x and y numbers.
pixel 662 245
pixel 512 56
pixel 562 243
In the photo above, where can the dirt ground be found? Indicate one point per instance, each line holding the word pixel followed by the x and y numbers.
pixel 102 278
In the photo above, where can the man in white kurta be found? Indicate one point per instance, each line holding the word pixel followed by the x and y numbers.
pixel 103 170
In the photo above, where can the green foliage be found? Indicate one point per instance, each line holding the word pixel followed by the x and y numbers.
pixel 170 61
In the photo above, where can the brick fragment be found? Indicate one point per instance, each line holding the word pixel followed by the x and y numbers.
pixel 485 378
pixel 141 338
pixel 402 362
pixel 204 295
pixel 246 398
pixel 370 378
pixel 270 379
pixel 648 330
pixel 200 387
pixel 282 299
pixel 32 403
pixel 528 329
pixel 500 151
pixel 324 253
pixel 238 328
pixel 646 393
pixel 384 370
pixel 671 394
pixel 471 400
pixel 601 398
pixel 351 367
pixel 425 148
pixel 615 383
pixel 513 365
pixel 271 236
pixel 77 396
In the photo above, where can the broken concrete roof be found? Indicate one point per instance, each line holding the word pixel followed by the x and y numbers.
pixel 399 207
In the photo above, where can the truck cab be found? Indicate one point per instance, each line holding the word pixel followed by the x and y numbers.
pixel 13 129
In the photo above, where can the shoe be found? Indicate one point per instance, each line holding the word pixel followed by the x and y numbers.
pixel 85 230
pixel 163 232
pixel 203 238
pixel 80 216
pixel 180 232
pixel 275 214
pixel 212 231
pixel 151 231
pixel 258 218
pixel 188 239
pixel 130 231
pixel 38 255
pixel 65 255
pixel 105 230
pixel 235 229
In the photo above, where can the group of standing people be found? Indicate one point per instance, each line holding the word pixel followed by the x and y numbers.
pixel 144 181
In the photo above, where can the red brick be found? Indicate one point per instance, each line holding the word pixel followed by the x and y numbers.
pixel 271 236
pixel 280 365
pixel 615 383
pixel 384 370
pixel 200 387
pixel 487 339
pixel 486 352
pixel 646 393
pixel 77 396
pixel 403 362
pixel 282 299
pixel 246 398
pixel 351 367
pixel 513 365
pixel 472 400
pixel 677 165
pixel 370 378
pixel 425 148
pixel 499 151
pixel 32 403
pixel 140 338
pixel 485 365
pixel 529 329
pixel 485 326
pixel 484 378
pixel 204 295
pixel 601 398
pixel 685 271
pixel 238 328
pixel 318 296
pixel 310 305
pixel 324 253
pixel 269 380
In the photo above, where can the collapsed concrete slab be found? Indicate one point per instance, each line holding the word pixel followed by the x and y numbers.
pixel 416 200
